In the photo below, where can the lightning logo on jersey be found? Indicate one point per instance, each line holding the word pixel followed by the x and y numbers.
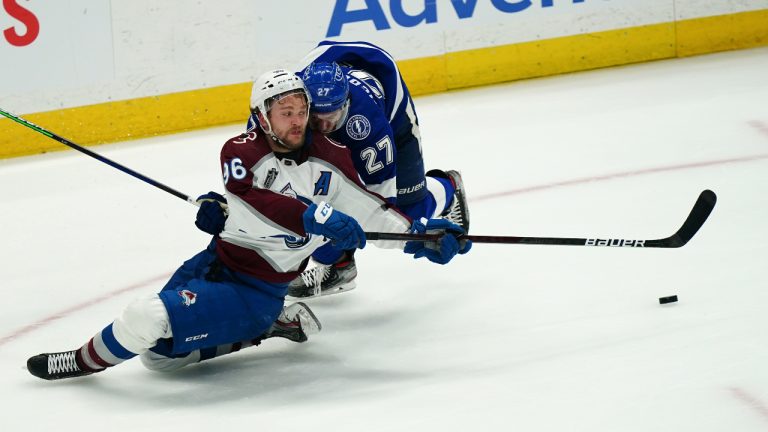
pixel 358 127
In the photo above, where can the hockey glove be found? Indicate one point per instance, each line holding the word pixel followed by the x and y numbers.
pixel 343 230
pixel 211 214
pixel 443 250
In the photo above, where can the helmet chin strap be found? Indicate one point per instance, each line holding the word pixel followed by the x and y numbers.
pixel 271 133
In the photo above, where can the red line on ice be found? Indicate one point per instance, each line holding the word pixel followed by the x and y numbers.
pixel 66 312
pixel 760 126
pixel 753 402
pixel 616 176
pixel 70 310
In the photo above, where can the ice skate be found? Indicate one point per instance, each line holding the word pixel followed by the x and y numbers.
pixel 324 280
pixel 54 366
pixel 458 211
pixel 295 323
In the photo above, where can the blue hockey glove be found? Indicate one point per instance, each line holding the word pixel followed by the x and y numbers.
pixel 211 214
pixel 344 231
pixel 443 250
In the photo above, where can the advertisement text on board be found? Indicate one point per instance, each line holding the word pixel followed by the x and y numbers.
pixel 26 18
pixel 374 12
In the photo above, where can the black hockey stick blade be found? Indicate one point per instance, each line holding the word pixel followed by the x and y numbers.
pixel 698 215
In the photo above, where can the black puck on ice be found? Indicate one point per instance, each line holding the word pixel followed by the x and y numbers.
pixel 669 299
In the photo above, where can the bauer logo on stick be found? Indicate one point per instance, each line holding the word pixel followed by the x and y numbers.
pixel 615 243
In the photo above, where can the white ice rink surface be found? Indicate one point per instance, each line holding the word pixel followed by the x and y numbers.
pixel 506 338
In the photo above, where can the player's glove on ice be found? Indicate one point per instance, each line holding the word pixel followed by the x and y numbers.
pixel 211 214
pixel 343 230
pixel 445 248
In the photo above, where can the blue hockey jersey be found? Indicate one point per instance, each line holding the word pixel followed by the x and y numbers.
pixel 381 128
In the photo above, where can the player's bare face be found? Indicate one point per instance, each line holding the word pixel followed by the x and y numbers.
pixel 325 123
pixel 288 117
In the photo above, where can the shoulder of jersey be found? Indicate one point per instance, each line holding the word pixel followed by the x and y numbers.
pixel 323 140
pixel 331 151
pixel 249 136
pixel 247 143
pixel 363 103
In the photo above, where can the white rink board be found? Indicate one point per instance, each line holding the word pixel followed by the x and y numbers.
pixel 488 26
pixel 689 9
pixel 55 47
pixel 89 52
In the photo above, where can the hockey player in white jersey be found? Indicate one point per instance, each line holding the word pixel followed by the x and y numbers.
pixel 291 191
pixel 360 100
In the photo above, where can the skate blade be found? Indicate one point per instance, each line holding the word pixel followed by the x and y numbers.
pixel 326 293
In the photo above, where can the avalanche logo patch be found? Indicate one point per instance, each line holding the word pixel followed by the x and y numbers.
pixel 188 297
pixel 296 242
pixel 358 127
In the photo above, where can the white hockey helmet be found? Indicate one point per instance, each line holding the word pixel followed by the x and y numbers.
pixel 273 85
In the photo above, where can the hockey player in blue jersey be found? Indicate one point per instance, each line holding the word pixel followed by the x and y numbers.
pixel 360 100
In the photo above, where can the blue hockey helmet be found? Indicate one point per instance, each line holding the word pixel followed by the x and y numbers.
pixel 327 86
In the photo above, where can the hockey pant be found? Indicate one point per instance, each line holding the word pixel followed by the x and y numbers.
pixel 205 308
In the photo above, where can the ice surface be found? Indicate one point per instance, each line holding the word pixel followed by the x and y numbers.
pixel 508 337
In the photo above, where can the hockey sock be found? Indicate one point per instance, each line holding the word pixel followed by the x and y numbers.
pixel 102 351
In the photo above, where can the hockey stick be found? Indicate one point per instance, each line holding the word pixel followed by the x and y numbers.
pixel 699 214
pixel 98 157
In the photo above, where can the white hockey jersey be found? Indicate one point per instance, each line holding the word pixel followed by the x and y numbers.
pixel 268 193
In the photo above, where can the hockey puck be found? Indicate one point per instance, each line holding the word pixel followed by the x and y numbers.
pixel 669 299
